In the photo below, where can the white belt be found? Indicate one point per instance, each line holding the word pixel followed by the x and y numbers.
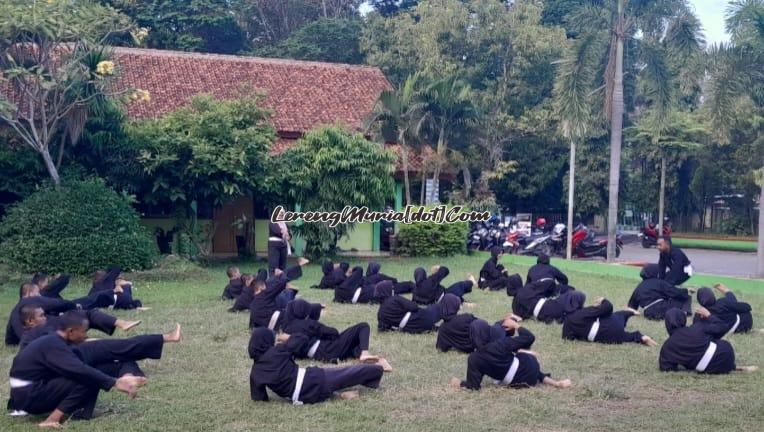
pixel 706 359
pixel 274 320
pixel 545 279
pixel 113 304
pixel 313 349
pixel 356 295
pixel 275 239
pixel 404 321
pixel 510 373
pixel 279 239
pixel 593 331
pixel 735 326
pixel 298 387
pixel 688 269
pixel 652 304
pixel 19 383
pixel 443 294
pixel 537 309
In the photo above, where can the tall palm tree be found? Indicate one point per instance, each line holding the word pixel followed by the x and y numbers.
pixel 449 110
pixel 737 73
pixel 400 113
pixel 603 27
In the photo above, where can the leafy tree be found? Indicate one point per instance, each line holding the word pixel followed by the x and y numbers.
pixel 52 85
pixel 388 8
pixel 329 169
pixel 327 39
pixel 198 25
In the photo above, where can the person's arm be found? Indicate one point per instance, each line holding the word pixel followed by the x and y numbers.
pixel 327 333
pixel 406 304
pixel 604 309
pixel 673 292
pixel 523 340
pixel 634 299
pixel 296 343
pixel 64 362
pixel 559 276
pixel 55 305
pixel 736 306
pixel 293 273
pixel 662 265
pixel 441 274
pixel 714 326
pixel 275 285
pixel 666 365
pixel 492 270
pixel 57 285
pixel 257 391
pixel 529 278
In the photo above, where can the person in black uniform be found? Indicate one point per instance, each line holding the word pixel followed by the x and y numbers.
pixel 598 323
pixel 278 245
pixel 51 288
pixel 736 314
pixel 674 266
pixel 656 296
pixel 274 367
pixel 49 376
pixel 398 313
pixel 548 276
pixel 494 276
pixel 235 284
pixel 535 300
pixel 266 308
pixel 428 289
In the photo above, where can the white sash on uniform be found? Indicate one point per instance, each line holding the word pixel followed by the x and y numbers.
pixel 274 320
pixel 404 321
pixel 688 269
pixel 313 349
pixel 19 383
pixel 510 373
pixel 298 387
pixel 537 309
pixel 652 304
pixel 593 331
pixel 706 359
pixel 279 239
pixel 735 326
pixel 356 295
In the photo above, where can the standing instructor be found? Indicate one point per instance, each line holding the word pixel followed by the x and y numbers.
pixel 278 244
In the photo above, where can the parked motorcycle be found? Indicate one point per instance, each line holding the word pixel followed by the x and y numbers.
pixel 586 244
pixel 649 235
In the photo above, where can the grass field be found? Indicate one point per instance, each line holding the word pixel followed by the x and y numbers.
pixel 202 383
pixel 714 244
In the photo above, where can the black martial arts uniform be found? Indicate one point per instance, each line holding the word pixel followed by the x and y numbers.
pixel 266 310
pixel 98 321
pixel 50 374
pixel 493 276
pixel 482 333
pixel 543 273
pixel 123 300
pixel 54 287
pixel 656 296
pixel 332 276
pixel 274 368
pixel 326 344
pixel 352 290
pixel 428 289
pixel 373 277
pixel 455 330
pixel 696 347
pixel 534 300
pixel 233 289
pixel 299 309
pixel 14 330
pixel 672 266
pixel 496 360
pixel 737 315
pixel 599 324
pixel 277 248
pixel 398 313
pixel 244 299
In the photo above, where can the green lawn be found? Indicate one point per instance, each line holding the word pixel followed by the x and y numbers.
pixel 202 383
pixel 714 244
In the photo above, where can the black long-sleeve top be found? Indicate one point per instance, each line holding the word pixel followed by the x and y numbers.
pixel 429 290
pixel 672 265
pixel 108 281
pixel 495 358
pixel 233 289
pixel 650 290
pixel 393 309
pixel 15 328
pixel 345 291
pixel 578 324
pixel 687 345
pixel 491 269
pixel 544 271
pixel 455 333
pixel 54 288
pixel 263 305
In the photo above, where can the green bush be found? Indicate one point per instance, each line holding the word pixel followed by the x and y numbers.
pixel 78 228
pixel 431 239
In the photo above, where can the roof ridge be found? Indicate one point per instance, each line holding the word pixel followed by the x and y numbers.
pixel 241 58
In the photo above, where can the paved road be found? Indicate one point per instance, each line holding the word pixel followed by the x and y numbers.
pixel 725 263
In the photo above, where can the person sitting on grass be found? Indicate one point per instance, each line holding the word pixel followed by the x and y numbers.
pixel 655 296
pixel 333 274
pixel 598 323
pixel 494 277
pixel 509 362
pixel 543 273
pixel 244 299
pixel 325 343
pixel 50 376
pixel 110 282
pixel 401 314
pixel 536 300
pixel 457 332
pixel 268 304
pixel 428 289
pixel 51 288
pixel 235 284
pixel 737 315
pixel 274 368
pixel 696 347
pixel 673 265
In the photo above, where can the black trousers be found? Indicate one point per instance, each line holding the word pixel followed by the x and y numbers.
pixel 100 299
pixel 109 352
pixel 69 396
pixel 277 255
pixel 459 289
pixel 345 377
pixel 349 344
pixel 403 287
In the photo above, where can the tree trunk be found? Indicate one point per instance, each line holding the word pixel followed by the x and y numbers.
pixel 405 161
pixel 616 131
pixel 61 146
pixel 760 249
pixel 52 170
pixel 441 152
pixel 662 196
pixel 467 181
pixel 571 194
pixel 423 186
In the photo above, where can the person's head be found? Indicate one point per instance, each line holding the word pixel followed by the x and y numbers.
pixel 664 244
pixel 373 268
pixel 260 342
pixel 262 275
pixel 496 251
pixel 480 333
pixel 383 290
pixel 650 271
pixel 449 306
pixel 32 316
pixel 297 310
pixel 99 275
pixel 573 301
pixel 419 275
pixel 73 327
pixel 543 259
pixel 29 290
pixel 327 267
pixel 41 280
pixel 706 297
pixel 515 283
pixel 233 272
pixel 675 319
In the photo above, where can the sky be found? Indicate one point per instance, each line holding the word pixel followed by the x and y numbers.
pixel 710 12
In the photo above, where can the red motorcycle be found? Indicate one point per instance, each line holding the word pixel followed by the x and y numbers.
pixel 649 234
pixel 585 244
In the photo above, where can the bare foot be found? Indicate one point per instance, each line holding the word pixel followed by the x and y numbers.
pixel 385 365
pixel 174 336
pixel 368 358
pixel 564 384
pixel 126 325
pixel 92 339
pixel 51 425
pixel 142 308
pixel 455 383
pixel 469 304
pixel 301 261
pixel 515 317
pixel 349 395
pixel 647 340
pixel 747 368
pixel 529 352
pixel 473 280
pixel 634 311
